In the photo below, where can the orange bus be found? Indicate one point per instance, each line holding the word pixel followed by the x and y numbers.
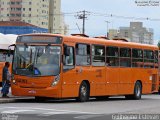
pixel 4 58
pixel 57 66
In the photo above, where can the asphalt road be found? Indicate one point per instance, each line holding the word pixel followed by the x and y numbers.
pixel 115 108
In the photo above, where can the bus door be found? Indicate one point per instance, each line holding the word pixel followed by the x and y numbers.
pixel 69 82
pixel 126 76
pixel 112 78
pixel 112 70
pixel 98 78
pixel 98 68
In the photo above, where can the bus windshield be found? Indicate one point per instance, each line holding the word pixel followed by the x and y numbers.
pixel 37 60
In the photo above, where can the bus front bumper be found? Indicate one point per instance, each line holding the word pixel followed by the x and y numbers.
pixel 52 92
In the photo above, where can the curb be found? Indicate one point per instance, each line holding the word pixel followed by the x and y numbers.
pixel 4 100
pixel 12 100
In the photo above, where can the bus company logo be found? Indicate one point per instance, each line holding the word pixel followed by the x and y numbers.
pixel 147 3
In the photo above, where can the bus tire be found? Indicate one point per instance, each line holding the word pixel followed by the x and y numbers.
pixel 137 91
pixel 83 92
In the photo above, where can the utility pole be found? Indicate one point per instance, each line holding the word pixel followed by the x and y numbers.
pixel 107 28
pixel 51 13
pixel 83 15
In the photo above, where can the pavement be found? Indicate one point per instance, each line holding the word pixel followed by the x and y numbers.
pixel 12 98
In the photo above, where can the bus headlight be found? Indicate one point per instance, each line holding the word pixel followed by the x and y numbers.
pixel 14 81
pixel 56 80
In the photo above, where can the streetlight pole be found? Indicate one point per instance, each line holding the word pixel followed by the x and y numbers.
pixel 107 27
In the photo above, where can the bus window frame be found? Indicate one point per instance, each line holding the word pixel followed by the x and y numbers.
pixel 130 53
pixel 137 58
pixel 83 55
pixel 63 58
pixel 94 55
pixel 116 57
pixel 153 64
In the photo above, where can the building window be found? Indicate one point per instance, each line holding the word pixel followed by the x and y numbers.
pixel 29 9
pixel 30 3
pixel 23 9
pixel 126 34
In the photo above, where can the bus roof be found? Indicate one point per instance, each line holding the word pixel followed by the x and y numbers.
pixel 100 41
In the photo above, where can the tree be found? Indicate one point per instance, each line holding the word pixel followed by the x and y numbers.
pixel 158 44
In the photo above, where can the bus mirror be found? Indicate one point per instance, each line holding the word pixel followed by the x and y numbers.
pixel 9 49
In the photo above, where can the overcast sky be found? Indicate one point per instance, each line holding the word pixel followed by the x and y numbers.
pixel 122 12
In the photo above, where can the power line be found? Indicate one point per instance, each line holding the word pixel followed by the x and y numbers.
pixel 124 17
pixel 84 14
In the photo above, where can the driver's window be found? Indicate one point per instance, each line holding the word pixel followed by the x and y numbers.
pixel 68 60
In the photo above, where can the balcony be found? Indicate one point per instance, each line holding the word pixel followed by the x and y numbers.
pixel 16 6
pixel 15 12
pixel 15 18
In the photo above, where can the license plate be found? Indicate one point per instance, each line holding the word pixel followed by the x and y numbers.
pixel 32 91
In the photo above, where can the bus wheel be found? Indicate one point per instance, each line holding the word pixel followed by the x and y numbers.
pixel 137 91
pixel 83 92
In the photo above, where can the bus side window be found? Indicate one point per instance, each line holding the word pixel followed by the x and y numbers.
pixel 68 59
pixel 83 54
pixel 148 59
pixel 125 57
pixel 137 58
pixel 156 58
pixel 112 56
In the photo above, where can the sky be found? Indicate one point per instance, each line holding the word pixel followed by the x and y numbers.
pixel 119 13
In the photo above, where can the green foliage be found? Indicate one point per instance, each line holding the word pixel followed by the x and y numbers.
pixel 158 44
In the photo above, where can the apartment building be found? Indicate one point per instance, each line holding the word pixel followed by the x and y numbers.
pixel 35 12
pixel 136 32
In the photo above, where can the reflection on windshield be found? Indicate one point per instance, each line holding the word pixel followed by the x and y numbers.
pixel 37 60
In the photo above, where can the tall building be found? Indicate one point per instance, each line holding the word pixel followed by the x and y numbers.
pixel 112 33
pixel 35 12
pixel 135 33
